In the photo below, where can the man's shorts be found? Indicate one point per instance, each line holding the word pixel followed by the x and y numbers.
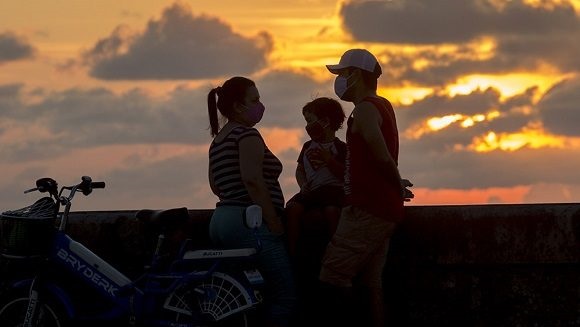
pixel 358 248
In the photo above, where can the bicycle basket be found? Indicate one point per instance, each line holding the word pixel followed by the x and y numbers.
pixel 28 231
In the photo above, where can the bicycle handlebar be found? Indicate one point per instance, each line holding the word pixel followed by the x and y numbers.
pixel 98 184
pixel 87 185
pixel 49 185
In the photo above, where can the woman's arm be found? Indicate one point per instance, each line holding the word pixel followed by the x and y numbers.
pixel 211 182
pixel 251 149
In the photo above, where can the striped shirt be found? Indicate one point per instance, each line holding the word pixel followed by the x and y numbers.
pixel 225 170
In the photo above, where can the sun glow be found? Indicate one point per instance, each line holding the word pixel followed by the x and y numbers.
pixel 508 85
pixel 438 123
pixel 435 124
pixel 552 4
pixel 533 137
pixel 406 95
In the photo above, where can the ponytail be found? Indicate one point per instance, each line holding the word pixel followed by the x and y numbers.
pixel 212 110
pixel 223 98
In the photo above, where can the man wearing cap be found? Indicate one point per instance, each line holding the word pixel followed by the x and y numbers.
pixel 374 190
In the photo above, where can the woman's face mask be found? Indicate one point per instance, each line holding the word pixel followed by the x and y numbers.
pixel 253 114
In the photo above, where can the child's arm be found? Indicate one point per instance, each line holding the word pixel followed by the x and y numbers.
pixel 300 175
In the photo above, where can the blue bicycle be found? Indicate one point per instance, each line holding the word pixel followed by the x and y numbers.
pixel 72 286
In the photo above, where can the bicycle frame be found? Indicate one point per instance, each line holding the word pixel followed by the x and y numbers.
pixel 144 298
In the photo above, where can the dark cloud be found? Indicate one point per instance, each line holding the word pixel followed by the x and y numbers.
pixel 515 113
pixel 560 108
pixel 95 117
pixel 471 170
pixel 174 182
pixel 526 37
pixel 14 47
pixel 181 180
pixel 10 99
pixel 11 196
pixel 178 46
pixel 517 54
pixel 452 165
pixel 478 102
pixel 451 162
pixel 452 21
pixel 98 117
pixel 446 68
pixel 284 94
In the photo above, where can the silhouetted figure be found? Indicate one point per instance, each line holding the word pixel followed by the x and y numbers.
pixel 374 190
pixel 242 172
pixel 312 214
pixel 320 169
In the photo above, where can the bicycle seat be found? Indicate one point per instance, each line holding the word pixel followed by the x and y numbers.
pixel 219 253
pixel 166 217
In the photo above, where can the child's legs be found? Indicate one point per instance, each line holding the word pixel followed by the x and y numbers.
pixel 294 211
pixel 330 200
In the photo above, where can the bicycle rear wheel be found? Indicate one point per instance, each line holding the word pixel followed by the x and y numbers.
pixel 237 320
pixel 219 300
pixel 13 311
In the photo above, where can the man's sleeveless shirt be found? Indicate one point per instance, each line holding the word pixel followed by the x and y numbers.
pixel 365 185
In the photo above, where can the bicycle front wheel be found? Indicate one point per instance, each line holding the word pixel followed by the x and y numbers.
pixel 13 311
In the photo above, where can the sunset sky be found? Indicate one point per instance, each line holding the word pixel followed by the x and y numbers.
pixel 486 92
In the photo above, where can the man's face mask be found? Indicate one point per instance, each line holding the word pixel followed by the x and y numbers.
pixel 341 86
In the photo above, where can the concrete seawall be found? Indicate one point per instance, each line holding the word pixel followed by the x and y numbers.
pixel 488 265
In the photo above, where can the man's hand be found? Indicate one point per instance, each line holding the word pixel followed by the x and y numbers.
pixel 318 157
pixel 405 192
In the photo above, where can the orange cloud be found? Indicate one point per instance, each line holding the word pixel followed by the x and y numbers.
pixel 508 84
pixel 425 196
pixel 282 139
pixel 533 136
pixel 435 124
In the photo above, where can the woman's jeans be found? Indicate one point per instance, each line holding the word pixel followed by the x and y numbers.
pixel 227 230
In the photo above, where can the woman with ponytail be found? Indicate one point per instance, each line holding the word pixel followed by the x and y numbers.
pixel 242 172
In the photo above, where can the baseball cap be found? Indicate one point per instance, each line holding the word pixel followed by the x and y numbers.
pixel 359 58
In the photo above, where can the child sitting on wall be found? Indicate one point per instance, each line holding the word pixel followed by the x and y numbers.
pixel 320 170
